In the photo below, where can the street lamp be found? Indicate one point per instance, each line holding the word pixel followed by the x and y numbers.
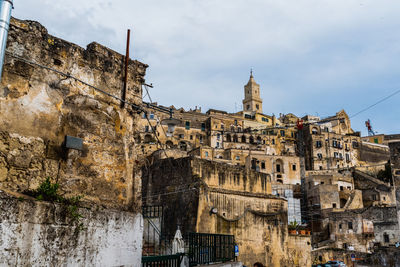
pixel 171 123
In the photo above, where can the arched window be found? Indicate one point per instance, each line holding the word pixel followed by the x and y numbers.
pixel 228 138
pixel 314 130
pixel 235 138
pixel 243 139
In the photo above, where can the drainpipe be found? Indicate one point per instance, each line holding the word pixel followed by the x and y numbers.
pixel 5 14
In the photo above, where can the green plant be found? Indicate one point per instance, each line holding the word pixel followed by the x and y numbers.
pixel 293 225
pixel 48 191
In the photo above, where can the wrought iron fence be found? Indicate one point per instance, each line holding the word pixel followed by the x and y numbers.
pixel 210 248
pixel 162 261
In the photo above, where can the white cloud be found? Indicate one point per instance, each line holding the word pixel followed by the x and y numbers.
pixel 200 51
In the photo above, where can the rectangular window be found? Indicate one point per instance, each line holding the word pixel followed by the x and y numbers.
pixel 218 136
pixel 146 129
pixel 203 126
pixel 262 164
pixel 237 158
pixel 191 137
pixel 373 197
pixel 318 144
pixel 187 125
pixel 294 167
pixel 347 157
pixel 247 116
pixel 319 156
pixel 273 141
pixel 278 168
pixel 355 144
pixel 375 140
pixel 222 126
pixel 334 205
pixel 235 123
pixel 181 136
pixel 151 116
pixel 350 225
pixel 340 226
pixel 206 153
pixel 282 133
pixel 335 155
pixel 386 238
pixel 217 144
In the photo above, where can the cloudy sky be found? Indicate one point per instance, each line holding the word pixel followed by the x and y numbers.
pixel 309 56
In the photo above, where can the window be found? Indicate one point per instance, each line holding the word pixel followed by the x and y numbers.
pixel 335 155
pixel 341 188
pixel 203 126
pixel 239 129
pixel 218 136
pixel 282 133
pixel 320 167
pixel 340 226
pixel 237 157
pixel 248 107
pixel 217 145
pixel 151 116
pixel 146 128
pixel 235 123
pixel 181 136
pixel 376 140
pixel 318 144
pixel 355 144
pixel 344 245
pixel 273 141
pixel 187 125
pixel 264 119
pixel 257 107
pixel 232 129
pixel 314 131
pixel 222 126
pixel 386 238
pixel 319 156
pixel 191 137
pixel 347 157
pixel 243 139
pixel 206 153
pixel 334 143
pixel 322 182
pixel 262 164
pixel 334 205
pixel 373 197
pixel 278 168
pixel 384 198
pixel 201 139
pixel 294 167
pixel 350 225
pixel 247 116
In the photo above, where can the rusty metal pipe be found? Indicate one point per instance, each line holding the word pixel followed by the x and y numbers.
pixel 5 15
pixel 126 69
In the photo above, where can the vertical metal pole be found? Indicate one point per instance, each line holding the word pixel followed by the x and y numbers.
pixel 126 68
pixel 5 15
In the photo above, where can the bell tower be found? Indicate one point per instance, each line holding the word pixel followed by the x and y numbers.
pixel 252 101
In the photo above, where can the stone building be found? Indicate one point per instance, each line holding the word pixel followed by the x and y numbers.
pixel 51 93
pixel 219 198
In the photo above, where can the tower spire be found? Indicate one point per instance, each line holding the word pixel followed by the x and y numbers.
pixel 251 72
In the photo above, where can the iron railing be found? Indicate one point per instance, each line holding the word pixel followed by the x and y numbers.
pixel 162 261
pixel 210 248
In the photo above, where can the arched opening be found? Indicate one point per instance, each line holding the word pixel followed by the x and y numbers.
pixel 258 140
pixel 183 146
pixel 235 138
pixel 228 138
pixel 169 144
pixel 314 130
pixel 148 138
pixel 280 181
pixel 243 139
pixel 251 140
pixel 279 166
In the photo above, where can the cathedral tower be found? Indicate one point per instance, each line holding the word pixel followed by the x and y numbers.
pixel 252 101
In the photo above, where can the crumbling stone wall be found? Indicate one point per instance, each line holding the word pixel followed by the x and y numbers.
pixel 39 107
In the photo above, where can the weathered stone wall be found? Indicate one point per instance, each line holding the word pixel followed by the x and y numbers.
pixel 299 250
pixel 35 233
pixel 39 107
